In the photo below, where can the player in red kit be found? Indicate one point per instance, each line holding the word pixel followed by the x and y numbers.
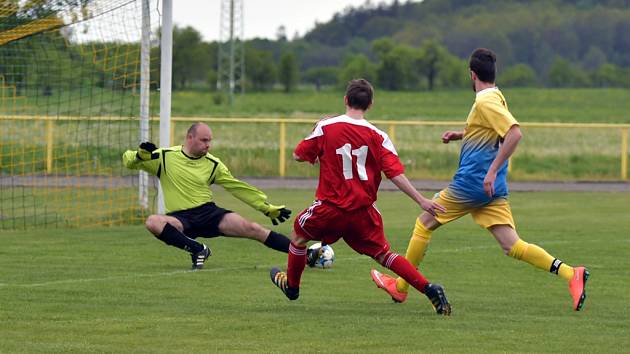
pixel 352 153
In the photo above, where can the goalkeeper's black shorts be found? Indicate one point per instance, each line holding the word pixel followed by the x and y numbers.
pixel 201 221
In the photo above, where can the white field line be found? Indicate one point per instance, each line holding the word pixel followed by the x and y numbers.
pixel 260 266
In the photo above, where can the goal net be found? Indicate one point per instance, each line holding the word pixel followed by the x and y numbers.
pixel 71 98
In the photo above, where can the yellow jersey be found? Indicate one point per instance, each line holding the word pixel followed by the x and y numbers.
pixel 487 123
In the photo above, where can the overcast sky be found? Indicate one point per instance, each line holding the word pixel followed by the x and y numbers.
pixel 262 17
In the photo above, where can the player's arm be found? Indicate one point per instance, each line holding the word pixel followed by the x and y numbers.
pixel 428 205
pixel 452 135
pixel 299 159
pixel 507 148
pixel 394 170
pixel 499 118
pixel 309 148
pixel 146 158
pixel 250 195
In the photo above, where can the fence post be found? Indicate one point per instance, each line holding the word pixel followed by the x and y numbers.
pixel 49 145
pixel 282 146
pixel 392 133
pixel 624 154
pixel 172 134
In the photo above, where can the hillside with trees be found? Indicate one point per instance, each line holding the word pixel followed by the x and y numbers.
pixel 424 45
pixel 411 45
pixel 549 43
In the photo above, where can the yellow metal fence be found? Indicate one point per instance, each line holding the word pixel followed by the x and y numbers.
pixel 392 128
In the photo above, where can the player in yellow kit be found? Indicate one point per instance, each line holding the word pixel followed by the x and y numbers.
pixel 186 173
pixel 479 187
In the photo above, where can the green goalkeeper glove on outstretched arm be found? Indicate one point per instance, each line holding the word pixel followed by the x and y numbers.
pixel 277 213
pixel 145 151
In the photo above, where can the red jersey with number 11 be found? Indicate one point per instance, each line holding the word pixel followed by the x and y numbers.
pixel 351 154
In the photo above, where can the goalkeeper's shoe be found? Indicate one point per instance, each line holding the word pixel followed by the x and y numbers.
pixel 436 295
pixel 388 284
pixel 279 279
pixel 199 258
pixel 577 287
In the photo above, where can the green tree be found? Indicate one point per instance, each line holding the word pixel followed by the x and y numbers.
pixel 594 58
pixel 381 47
pixel 322 75
pixel 188 57
pixel 357 66
pixel 398 68
pixel 432 56
pixel 288 71
pixel 611 75
pixel 563 74
pixel 519 75
pixel 261 71
pixel 454 72
pixel 211 78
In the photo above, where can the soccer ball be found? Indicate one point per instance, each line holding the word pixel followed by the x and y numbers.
pixel 319 256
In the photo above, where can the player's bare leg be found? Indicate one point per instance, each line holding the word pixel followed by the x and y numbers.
pixel 234 225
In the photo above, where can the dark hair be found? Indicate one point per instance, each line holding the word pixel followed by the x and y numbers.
pixel 483 63
pixel 359 94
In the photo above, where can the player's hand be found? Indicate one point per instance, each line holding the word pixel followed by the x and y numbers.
pixel 488 183
pixel 145 150
pixel 450 135
pixel 432 207
pixel 277 213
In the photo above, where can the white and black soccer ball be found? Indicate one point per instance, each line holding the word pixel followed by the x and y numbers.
pixel 319 256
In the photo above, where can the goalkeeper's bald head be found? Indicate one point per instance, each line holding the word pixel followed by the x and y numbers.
pixel 198 138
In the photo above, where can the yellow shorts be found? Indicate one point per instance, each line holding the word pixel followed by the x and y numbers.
pixel 498 212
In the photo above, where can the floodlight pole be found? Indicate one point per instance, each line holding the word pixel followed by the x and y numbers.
pixel 231 75
pixel 231 53
pixel 165 84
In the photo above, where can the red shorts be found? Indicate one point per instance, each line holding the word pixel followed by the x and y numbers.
pixel 362 229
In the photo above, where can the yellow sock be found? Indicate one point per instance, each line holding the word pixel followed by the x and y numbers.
pixel 539 258
pixel 415 251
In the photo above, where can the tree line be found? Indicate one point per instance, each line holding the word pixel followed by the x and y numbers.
pixel 425 45
pixel 392 65
pixel 401 46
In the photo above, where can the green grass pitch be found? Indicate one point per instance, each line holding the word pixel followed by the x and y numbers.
pixel 116 290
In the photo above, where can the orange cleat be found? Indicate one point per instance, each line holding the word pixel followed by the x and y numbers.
pixel 388 284
pixel 577 287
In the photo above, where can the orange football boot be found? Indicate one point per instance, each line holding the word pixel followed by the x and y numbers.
pixel 388 284
pixel 577 287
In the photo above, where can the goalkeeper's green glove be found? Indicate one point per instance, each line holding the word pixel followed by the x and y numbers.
pixel 277 213
pixel 145 151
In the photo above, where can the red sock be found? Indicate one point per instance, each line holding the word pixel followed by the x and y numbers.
pixel 402 267
pixel 297 262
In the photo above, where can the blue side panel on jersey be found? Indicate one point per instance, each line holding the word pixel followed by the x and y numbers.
pixel 474 162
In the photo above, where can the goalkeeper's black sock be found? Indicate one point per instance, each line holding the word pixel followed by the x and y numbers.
pixel 171 236
pixel 278 242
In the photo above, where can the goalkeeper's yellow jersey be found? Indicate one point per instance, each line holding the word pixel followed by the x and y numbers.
pixel 186 180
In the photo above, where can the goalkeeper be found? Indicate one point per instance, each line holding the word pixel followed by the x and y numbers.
pixel 186 173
